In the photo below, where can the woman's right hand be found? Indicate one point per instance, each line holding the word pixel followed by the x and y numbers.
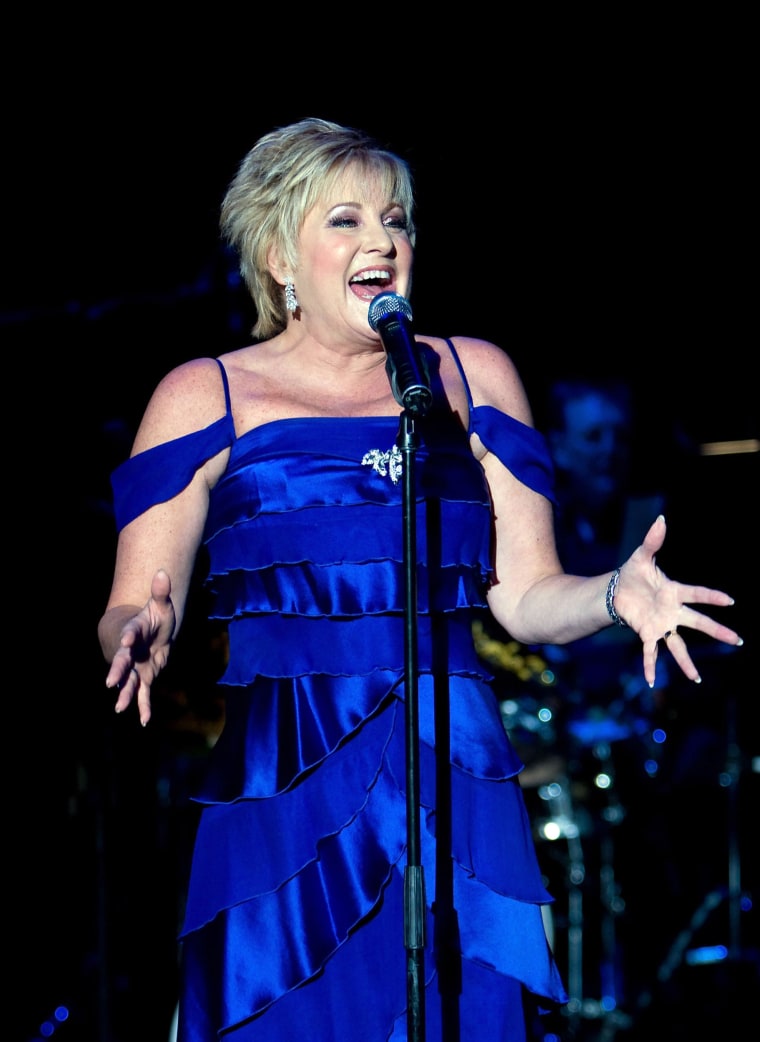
pixel 144 646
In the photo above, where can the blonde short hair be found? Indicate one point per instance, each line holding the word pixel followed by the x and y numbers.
pixel 277 184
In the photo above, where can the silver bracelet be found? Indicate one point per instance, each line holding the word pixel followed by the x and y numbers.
pixel 610 599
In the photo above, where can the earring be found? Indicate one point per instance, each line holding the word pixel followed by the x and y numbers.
pixel 291 302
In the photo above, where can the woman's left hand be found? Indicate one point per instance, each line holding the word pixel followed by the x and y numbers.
pixel 657 608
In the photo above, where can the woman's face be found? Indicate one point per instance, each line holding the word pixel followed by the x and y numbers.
pixel 353 245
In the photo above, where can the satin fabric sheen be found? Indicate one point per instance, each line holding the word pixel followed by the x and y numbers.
pixel 294 916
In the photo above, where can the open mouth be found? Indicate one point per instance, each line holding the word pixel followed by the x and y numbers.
pixel 367 284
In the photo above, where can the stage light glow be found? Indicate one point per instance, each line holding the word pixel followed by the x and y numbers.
pixel 706 955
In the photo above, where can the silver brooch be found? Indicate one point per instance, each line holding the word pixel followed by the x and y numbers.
pixel 384 463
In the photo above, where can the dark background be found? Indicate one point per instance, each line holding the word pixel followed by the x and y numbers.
pixel 587 200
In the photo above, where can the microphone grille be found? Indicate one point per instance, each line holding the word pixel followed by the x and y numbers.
pixel 386 304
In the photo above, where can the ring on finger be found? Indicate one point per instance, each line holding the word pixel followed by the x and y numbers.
pixel 670 633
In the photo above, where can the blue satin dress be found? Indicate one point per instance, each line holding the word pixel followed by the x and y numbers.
pixel 294 923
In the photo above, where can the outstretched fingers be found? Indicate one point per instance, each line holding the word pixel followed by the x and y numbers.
pixel 144 650
pixel 697 620
pixel 660 610
pixel 128 688
pixel 673 639
pixel 655 537
pixel 676 645
pixel 649 656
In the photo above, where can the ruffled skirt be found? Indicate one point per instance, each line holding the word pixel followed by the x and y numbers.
pixel 294 925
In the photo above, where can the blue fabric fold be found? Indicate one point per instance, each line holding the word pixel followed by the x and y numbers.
pixel 295 903
pixel 520 448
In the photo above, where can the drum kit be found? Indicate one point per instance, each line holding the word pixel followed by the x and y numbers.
pixel 596 779
pixel 572 791
pixel 604 787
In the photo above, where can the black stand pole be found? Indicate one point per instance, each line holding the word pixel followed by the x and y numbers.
pixel 414 879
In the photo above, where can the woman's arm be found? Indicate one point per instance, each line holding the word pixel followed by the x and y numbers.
pixel 156 551
pixel 532 597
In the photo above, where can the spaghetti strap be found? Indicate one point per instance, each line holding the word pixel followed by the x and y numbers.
pixel 462 373
pixel 160 472
pixel 522 449
pixel 226 384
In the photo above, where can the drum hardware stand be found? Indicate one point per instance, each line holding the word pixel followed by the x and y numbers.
pixel 562 825
pixel 732 893
pixel 613 1018
pixel 578 1008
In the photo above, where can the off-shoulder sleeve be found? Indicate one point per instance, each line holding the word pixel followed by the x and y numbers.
pixel 159 473
pixel 522 449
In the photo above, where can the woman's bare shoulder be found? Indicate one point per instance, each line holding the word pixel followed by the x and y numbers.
pixel 189 397
pixel 492 375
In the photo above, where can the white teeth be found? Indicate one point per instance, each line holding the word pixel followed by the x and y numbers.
pixel 365 275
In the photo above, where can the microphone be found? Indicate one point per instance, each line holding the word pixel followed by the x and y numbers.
pixel 390 315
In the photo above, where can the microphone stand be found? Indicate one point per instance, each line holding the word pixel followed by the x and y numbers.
pixel 414 879
pixel 390 316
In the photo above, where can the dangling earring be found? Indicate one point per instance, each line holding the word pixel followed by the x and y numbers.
pixel 290 296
